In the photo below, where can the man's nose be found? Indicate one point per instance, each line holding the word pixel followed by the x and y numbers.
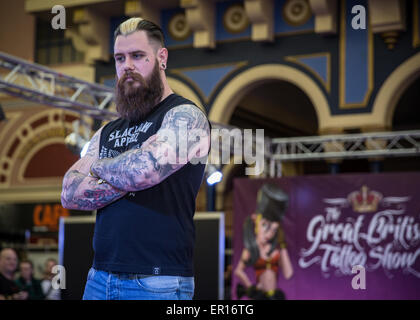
pixel 128 64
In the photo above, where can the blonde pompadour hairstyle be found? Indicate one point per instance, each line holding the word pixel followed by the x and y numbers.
pixel 154 32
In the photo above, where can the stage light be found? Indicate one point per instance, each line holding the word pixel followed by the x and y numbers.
pixel 213 175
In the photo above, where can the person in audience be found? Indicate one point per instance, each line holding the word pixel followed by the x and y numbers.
pixel 9 290
pixel 46 284
pixel 27 281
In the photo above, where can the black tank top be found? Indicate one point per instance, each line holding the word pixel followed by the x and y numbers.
pixel 150 231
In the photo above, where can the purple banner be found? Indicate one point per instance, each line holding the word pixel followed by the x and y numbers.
pixel 350 236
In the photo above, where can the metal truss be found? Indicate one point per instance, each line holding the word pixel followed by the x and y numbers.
pixel 365 145
pixel 31 81
pixel 36 83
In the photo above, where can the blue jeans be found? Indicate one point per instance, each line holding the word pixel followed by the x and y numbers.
pixel 102 285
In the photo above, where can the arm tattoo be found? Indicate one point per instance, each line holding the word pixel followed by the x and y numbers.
pixel 185 120
pixel 82 192
pixel 184 129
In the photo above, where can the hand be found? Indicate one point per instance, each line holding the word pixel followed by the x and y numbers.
pixel 94 175
pixel 91 173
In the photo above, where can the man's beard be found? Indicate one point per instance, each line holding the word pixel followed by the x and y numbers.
pixel 135 102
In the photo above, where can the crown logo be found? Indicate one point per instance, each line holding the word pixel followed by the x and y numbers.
pixel 364 200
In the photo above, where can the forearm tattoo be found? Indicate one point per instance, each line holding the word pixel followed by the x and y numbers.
pixel 81 192
pixel 184 133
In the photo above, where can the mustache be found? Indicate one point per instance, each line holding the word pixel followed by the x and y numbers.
pixel 133 75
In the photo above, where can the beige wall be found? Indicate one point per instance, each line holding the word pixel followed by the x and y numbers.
pixel 17 30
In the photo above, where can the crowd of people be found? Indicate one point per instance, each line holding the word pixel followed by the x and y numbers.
pixel 20 283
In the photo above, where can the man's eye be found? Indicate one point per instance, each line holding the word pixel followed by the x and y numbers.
pixel 137 55
pixel 119 59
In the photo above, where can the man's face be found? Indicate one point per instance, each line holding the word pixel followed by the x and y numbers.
pixel 26 270
pixel 134 52
pixel 8 261
pixel 139 85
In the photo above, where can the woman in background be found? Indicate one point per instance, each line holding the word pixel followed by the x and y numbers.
pixel 265 247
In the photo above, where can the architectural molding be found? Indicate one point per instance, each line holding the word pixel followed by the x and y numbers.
pixel 388 18
pixel 383 107
pixel 184 90
pixel 325 12
pixel 228 98
pixel 297 59
pixel 37 193
pixel 46 5
pixel 143 9
pixel 201 17
pixel 387 15
pixel 30 134
pixel 260 13
pixel 393 87
pixel 90 35
pixel 385 101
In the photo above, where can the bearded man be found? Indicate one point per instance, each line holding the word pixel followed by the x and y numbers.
pixel 142 173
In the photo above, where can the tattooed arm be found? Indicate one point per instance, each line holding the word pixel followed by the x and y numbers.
pixel 184 136
pixel 82 191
